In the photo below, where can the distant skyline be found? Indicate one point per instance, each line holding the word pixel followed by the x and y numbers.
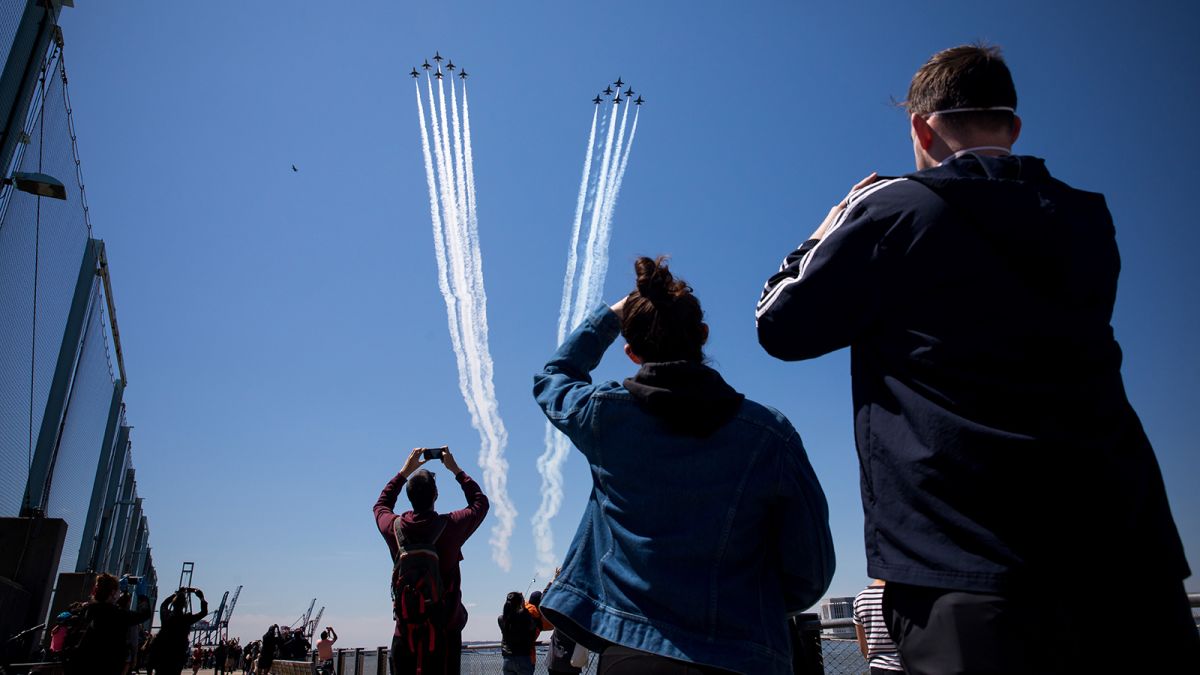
pixel 283 329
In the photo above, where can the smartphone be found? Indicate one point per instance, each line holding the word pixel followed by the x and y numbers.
pixel 435 453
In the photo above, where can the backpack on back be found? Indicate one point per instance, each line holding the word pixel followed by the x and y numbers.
pixel 417 590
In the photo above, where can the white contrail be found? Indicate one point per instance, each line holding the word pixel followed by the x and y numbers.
pixel 460 278
pixel 610 204
pixel 599 252
pixel 598 193
pixel 493 461
pixel 549 464
pixel 585 279
pixel 564 311
pixel 440 252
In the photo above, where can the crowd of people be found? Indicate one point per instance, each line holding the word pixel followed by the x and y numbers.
pixel 995 439
pixel 105 637
pixel 996 442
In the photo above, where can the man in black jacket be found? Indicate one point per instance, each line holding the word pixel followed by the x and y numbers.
pixel 1011 496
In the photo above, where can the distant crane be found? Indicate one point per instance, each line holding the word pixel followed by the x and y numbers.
pixel 302 622
pixel 223 626
pixel 314 624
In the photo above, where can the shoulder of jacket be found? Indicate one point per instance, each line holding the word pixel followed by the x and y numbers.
pixel 884 190
pixel 766 418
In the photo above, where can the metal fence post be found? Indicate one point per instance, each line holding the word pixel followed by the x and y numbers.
pixel 20 75
pixel 358 661
pixel 381 666
pixel 37 490
pixel 805 631
pixel 88 543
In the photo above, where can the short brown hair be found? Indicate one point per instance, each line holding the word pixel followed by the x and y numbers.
pixel 967 76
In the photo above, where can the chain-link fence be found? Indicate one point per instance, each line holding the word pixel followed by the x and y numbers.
pixel 841 657
pixel 64 440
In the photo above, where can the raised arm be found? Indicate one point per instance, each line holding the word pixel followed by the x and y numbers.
pixel 829 290
pixel 477 502
pixel 564 388
pixel 203 607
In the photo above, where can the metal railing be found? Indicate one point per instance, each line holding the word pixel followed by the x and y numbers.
pixel 836 656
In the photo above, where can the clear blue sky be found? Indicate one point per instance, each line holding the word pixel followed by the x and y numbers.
pixel 285 339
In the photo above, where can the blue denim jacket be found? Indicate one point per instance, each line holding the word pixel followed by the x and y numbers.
pixel 695 548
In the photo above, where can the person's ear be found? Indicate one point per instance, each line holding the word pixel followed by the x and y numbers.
pixel 1016 131
pixel 637 360
pixel 704 330
pixel 922 131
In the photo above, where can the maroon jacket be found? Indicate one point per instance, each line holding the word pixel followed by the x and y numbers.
pixel 460 525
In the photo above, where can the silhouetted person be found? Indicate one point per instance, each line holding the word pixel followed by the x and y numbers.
pixel 1008 487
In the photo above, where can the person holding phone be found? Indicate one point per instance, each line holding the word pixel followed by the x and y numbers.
pixel 168 651
pixel 446 532
pixel 706 526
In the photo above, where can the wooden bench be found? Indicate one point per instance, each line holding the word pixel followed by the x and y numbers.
pixel 292 668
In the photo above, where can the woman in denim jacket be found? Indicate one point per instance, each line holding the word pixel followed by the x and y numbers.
pixel 706 526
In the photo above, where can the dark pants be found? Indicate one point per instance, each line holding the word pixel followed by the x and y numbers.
pixel 618 660
pixel 1061 629
pixel 446 657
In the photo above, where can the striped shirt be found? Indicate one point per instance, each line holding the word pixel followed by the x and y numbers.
pixel 868 613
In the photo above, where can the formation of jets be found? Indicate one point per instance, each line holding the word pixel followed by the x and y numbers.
pixel 437 67
pixel 628 93
pixel 462 74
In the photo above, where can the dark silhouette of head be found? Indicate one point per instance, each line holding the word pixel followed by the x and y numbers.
pixel 662 320
pixel 104 589
pixel 514 603
pixel 535 598
pixel 422 490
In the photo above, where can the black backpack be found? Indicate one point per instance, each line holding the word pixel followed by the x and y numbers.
pixel 417 590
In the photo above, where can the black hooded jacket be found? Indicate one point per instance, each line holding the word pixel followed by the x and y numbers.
pixel 995 438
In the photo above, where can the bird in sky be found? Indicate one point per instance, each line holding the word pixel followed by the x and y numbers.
pixel 294 168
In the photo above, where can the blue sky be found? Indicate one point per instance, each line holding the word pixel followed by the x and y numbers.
pixel 284 335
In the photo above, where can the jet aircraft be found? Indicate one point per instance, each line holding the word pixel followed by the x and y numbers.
pixel 629 92
pixel 462 75
pixel 619 83
pixel 438 74
pixel 450 66
pixel 639 100
pixel 437 56
pixel 426 65
pixel 608 91
pixel 414 73
pixel 617 100
pixel 596 100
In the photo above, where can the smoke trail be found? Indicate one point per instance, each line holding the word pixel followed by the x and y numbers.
pixel 598 191
pixel 610 205
pixel 564 311
pixel 440 252
pixel 451 184
pixel 585 279
pixel 493 461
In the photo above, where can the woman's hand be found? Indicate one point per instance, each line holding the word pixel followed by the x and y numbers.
pixel 619 308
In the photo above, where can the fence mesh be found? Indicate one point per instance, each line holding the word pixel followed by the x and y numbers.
pixel 10 20
pixel 841 657
pixel 82 436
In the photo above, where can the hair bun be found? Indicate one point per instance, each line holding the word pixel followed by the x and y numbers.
pixel 654 280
